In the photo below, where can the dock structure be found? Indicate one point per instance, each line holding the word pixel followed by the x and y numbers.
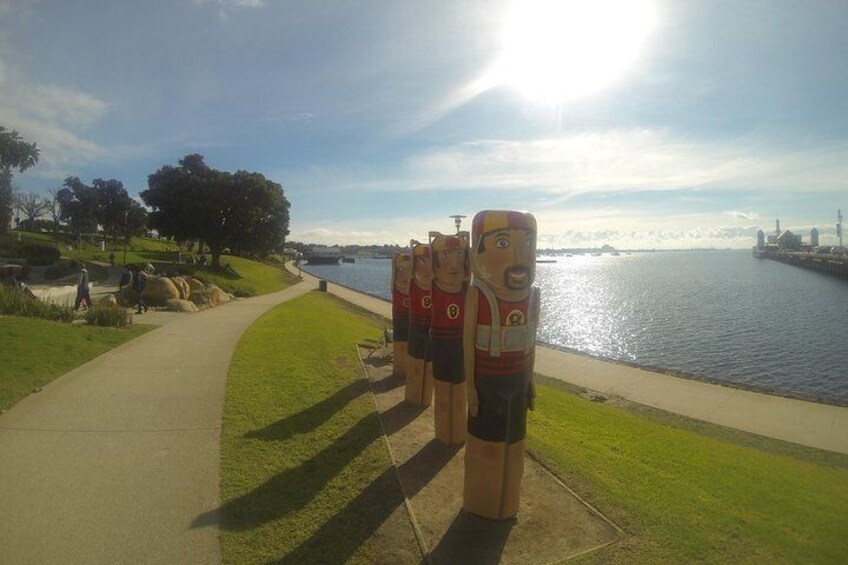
pixel 829 263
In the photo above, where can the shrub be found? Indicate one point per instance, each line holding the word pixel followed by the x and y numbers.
pixel 14 302
pixel 61 269
pixel 37 253
pixel 108 316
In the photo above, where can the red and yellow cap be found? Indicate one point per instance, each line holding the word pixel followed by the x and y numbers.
pixel 443 242
pixel 422 249
pixel 487 221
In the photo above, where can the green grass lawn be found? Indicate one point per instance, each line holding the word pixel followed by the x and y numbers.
pixel 300 444
pixel 253 277
pixel 305 474
pixel 34 352
pixel 688 492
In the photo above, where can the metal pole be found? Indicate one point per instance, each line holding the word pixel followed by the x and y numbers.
pixel 126 234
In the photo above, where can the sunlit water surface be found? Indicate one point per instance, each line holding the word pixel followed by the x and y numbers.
pixel 722 316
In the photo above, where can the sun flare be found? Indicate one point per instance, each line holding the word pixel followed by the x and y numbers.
pixel 556 50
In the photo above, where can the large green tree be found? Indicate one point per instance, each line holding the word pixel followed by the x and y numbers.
pixel 15 154
pixel 113 206
pixel 79 204
pixel 242 211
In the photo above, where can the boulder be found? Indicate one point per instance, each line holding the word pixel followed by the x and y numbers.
pixel 218 295
pixel 182 287
pixel 193 284
pixel 201 298
pixel 159 290
pixel 180 305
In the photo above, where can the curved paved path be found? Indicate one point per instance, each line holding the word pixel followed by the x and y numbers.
pixel 112 462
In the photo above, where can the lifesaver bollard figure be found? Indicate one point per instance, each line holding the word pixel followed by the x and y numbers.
pixel 419 374
pixel 450 283
pixel 401 273
pixel 501 313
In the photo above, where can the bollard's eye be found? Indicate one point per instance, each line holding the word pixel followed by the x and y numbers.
pixel 502 242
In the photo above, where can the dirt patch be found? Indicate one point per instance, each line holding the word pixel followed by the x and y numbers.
pixel 552 524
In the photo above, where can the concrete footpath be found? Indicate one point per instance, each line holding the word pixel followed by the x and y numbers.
pixel 806 423
pixel 112 462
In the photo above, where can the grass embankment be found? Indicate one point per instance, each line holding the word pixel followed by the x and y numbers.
pixel 300 446
pixel 34 352
pixel 305 474
pixel 688 492
pixel 247 278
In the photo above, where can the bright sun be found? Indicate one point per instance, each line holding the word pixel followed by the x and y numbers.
pixel 556 50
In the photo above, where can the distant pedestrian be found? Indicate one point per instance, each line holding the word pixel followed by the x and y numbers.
pixel 139 280
pixel 112 259
pixel 126 277
pixel 82 290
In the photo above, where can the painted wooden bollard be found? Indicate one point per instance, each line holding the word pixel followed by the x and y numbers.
pixel 401 273
pixel 450 282
pixel 419 374
pixel 502 311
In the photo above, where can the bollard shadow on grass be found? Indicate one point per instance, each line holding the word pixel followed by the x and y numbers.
pixel 342 535
pixel 387 383
pixel 307 420
pixel 361 517
pixel 295 487
pixel 417 471
pixel 472 540
pixel 292 489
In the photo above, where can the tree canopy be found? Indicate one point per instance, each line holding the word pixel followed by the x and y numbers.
pixel 242 211
pixel 15 154
pixel 104 203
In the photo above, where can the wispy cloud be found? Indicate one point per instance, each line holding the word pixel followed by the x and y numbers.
pixel 227 6
pixel 629 160
pixel 53 117
pixel 743 215
pixel 599 161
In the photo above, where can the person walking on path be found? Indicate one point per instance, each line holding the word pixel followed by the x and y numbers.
pixel 126 277
pixel 139 280
pixel 82 290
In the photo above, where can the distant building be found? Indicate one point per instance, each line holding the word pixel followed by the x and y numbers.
pixel 761 240
pixel 814 237
pixel 788 241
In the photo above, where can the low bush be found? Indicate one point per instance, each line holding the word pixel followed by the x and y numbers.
pixel 38 254
pixel 62 269
pixel 108 316
pixel 14 302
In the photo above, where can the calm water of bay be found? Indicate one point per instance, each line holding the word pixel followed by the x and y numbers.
pixel 721 315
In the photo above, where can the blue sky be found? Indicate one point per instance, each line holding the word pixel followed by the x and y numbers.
pixel 666 124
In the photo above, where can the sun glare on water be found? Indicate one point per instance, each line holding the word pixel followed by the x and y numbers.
pixel 556 50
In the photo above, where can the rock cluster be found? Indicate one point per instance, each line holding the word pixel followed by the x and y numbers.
pixel 178 294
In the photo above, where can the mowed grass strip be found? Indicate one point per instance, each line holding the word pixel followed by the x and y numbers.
pixel 686 497
pixel 35 352
pixel 305 474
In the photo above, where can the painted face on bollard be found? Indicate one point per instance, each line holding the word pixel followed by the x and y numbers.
pixel 422 265
pixel 450 262
pixel 509 257
pixel 402 272
pixel 505 251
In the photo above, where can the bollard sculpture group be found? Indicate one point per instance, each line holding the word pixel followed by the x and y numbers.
pixel 481 338
pixel 401 273
pixel 450 279
pixel 419 377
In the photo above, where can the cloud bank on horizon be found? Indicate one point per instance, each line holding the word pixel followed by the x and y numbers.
pixel 639 124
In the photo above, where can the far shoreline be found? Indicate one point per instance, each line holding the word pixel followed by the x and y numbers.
pixel 649 368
